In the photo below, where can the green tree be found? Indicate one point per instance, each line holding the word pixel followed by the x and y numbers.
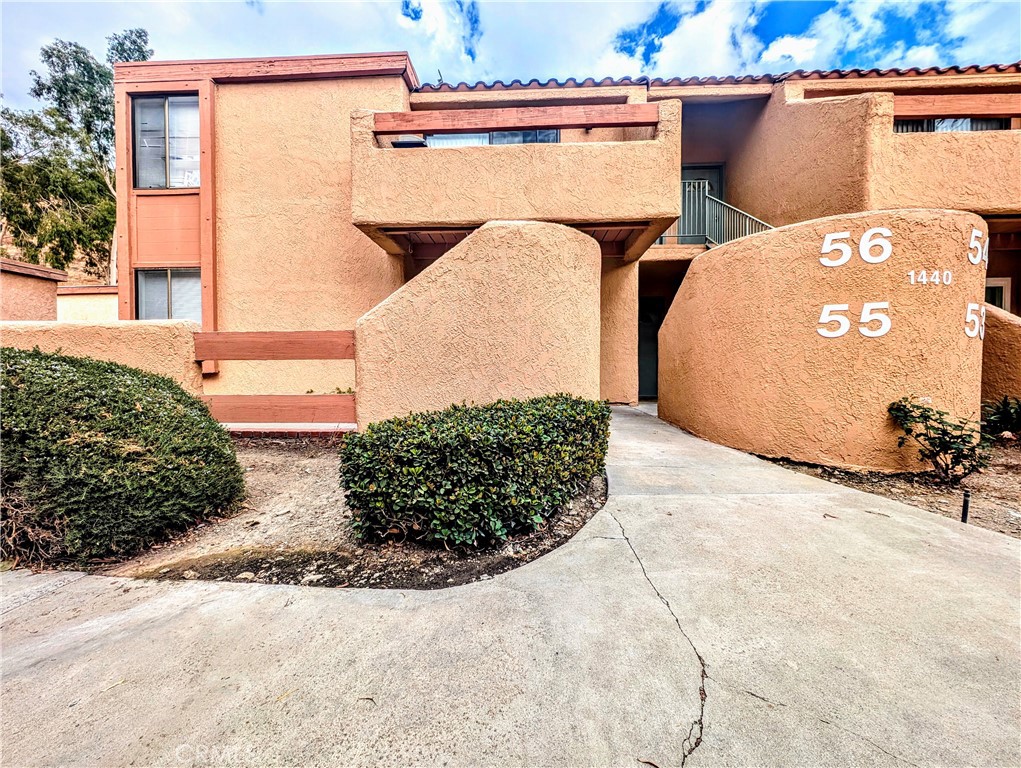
pixel 58 184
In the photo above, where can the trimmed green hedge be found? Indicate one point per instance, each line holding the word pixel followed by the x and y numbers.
pixel 472 475
pixel 100 460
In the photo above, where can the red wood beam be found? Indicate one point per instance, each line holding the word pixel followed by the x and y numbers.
pixel 303 409
pixel 969 105
pixel 275 345
pixel 517 118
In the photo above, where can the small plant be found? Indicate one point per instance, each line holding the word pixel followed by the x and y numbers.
pixel 1002 416
pixel 473 475
pixel 101 460
pixel 954 447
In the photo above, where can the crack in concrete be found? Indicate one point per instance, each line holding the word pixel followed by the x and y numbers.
pixel 823 720
pixel 694 738
pixel 869 741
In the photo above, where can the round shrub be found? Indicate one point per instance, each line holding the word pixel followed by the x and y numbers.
pixel 472 475
pixel 101 460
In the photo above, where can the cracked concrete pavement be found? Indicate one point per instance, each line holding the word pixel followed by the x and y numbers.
pixel 718 611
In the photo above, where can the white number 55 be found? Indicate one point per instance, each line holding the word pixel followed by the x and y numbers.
pixel 870 312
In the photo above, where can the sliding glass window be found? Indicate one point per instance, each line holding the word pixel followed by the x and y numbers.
pixel 169 294
pixel 166 141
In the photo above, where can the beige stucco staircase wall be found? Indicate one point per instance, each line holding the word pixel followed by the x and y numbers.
pixel 742 361
pixel 1001 355
pixel 511 311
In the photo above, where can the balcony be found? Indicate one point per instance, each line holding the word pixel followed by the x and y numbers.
pixel 624 192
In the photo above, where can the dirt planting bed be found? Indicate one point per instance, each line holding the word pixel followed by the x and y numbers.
pixel 294 528
pixel 995 491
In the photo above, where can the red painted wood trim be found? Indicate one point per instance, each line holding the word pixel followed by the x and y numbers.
pixel 304 409
pixel 517 118
pixel 970 105
pixel 32 270
pixel 207 215
pixel 275 345
pixel 85 290
pixel 272 68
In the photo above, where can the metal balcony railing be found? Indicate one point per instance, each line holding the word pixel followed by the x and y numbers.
pixel 705 220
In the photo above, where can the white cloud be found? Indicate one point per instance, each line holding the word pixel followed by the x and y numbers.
pixel 790 51
pixel 520 39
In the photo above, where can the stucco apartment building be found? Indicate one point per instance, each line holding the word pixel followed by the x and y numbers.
pixel 355 244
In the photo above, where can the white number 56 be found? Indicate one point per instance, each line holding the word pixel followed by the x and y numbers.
pixel 870 239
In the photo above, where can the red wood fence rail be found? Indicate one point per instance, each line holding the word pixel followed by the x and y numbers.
pixel 517 118
pixel 278 345
pixel 275 345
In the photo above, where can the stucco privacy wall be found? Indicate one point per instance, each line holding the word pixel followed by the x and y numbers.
pixel 86 307
pixel 742 361
pixel 618 337
pixel 24 297
pixel 973 170
pixel 804 159
pixel 288 256
pixel 570 182
pixel 1001 355
pixel 166 347
pixel 511 311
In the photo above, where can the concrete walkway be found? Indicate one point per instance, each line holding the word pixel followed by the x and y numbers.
pixel 718 611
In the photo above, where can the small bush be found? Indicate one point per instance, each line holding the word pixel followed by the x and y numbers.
pixel 100 460
pixel 954 447
pixel 471 475
pixel 1002 416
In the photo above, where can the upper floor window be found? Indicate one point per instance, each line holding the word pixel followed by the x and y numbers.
pixel 166 141
pixel 946 124
pixel 545 136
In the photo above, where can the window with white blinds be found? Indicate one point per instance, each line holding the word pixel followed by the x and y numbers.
pixel 948 124
pixel 550 136
pixel 166 141
pixel 169 294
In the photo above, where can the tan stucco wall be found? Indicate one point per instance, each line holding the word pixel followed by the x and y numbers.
pixel 288 257
pixel 87 308
pixel 511 311
pixel 601 181
pixel 803 159
pixel 1001 355
pixel 971 170
pixel 741 362
pixel 23 297
pixel 166 347
pixel 618 339
pixel 807 158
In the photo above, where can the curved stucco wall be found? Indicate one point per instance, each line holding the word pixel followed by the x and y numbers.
pixel 166 347
pixel 511 311
pixel 1001 355
pixel 742 361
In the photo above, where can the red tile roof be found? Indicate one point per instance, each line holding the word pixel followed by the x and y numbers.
pixel 801 74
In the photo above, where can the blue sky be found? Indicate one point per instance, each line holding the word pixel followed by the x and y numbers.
pixel 481 40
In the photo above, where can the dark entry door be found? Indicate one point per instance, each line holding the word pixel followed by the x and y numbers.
pixel 651 312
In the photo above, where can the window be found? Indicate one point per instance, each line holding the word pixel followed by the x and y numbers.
pixel 998 292
pixel 947 124
pixel 549 136
pixel 166 141
pixel 169 294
